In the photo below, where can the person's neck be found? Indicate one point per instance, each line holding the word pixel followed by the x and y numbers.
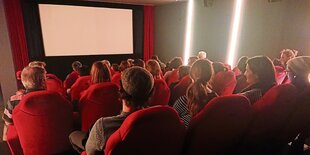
pixel 127 108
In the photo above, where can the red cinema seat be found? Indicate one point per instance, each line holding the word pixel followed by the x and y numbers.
pixel 280 74
pixel 271 115
pixel 81 84
pixel 43 122
pixel 116 78
pixel 99 100
pixel 180 89
pixel 152 131
pixel 53 76
pixel 224 83
pixel 161 93
pixel 54 85
pixel 219 127
pixel 72 77
pixel 172 77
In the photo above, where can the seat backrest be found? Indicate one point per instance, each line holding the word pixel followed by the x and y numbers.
pixel 99 100
pixel 71 78
pixel 180 89
pixel 81 84
pixel 116 78
pixel 152 131
pixel 172 77
pixel 271 114
pixel 43 121
pixel 219 127
pixel 280 74
pixel 161 93
pixel 224 83
pixel 54 85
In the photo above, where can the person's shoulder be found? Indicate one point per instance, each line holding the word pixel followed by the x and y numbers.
pixel 17 97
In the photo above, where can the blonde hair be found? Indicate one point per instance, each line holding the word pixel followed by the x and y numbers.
pixel 33 77
pixel 153 67
pixel 37 64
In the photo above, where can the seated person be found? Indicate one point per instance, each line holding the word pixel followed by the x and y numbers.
pixel 260 75
pixel 73 76
pixel 33 79
pixel 199 93
pixel 136 88
pixel 298 69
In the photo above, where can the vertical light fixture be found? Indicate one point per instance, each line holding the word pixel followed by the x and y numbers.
pixel 188 32
pixel 233 43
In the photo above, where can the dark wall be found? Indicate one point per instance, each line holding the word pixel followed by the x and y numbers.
pixel 61 65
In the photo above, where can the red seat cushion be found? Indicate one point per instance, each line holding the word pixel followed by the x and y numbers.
pixel 172 77
pixel 180 89
pixel 54 85
pixel 116 78
pixel 153 131
pixel 161 93
pixel 43 121
pixel 72 77
pixel 219 127
pixel 99 100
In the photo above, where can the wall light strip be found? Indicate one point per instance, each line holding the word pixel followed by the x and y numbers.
pixel 234 33
pixel 188 33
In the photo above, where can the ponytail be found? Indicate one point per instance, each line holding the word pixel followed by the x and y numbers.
pixel 197 96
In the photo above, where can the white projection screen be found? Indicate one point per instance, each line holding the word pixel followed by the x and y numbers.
pixel 79 30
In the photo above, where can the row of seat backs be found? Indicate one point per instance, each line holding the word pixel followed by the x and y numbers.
pixel 42 123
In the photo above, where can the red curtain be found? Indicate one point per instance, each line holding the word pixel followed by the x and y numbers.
pixel 148 32
pixel 17 35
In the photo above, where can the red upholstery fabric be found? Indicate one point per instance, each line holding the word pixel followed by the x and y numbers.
pixel 172 77
pixel 161 93
pixel 219 127
pixel 43 121
pixel 99 100
pixel 180 89
pixel 280 74
pixel 116 78
pixel 72 77
pixel 152 131
pixel 271 114
pixel 54 85
pixel 81 84
pixel 13 141
pixel 148 35
pixel 53 76
pixel 224 83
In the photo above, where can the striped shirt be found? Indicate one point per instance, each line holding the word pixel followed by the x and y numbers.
pixel 11 104
pixel 181 107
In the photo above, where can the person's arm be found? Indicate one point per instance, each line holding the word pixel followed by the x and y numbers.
pixel 96 142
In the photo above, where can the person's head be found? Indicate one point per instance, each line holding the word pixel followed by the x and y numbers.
pixel 139 62
pixel 34 78
pixel 37 64
pixel 286 55
pixel 277 62
pixel 153 67
pixel 107 62
pixel 260 69
pixel 124 65
pixel 202 55
pixel 191 60
pixel 176 62
pixel 130 62
pixel 218 67
pixel 183 71
pixel 241 65
pixel 155 57
pixel 115 67
pixel 136 87
pixel 100 72
pixel 76 65
pixel 197 92
pixel 298 70
pixel 83 71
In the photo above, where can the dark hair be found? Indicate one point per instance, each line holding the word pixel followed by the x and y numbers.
pixel 263 68
pixel 197 93
pixel 124 65
pixel 176 62
pixel 191 60
pixel 183 71
pixel 277 62
pixel 138 62
pixel 241 65
pixel 76 65
pixel 100 72
pixel 136 86
pixel 115 67
pixel 218 67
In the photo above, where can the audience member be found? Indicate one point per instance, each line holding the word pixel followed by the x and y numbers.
pixel 71 78
pixel 286 55
pixel 138 62
pixel 260 75
pixel 239 72
pixel 99 73
pixel 136 88
pixel 298 69
pixel 153 67
pixel 202 55
pixel 191 60
pixel 198 93
pixel 33 79
pixel 172 76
